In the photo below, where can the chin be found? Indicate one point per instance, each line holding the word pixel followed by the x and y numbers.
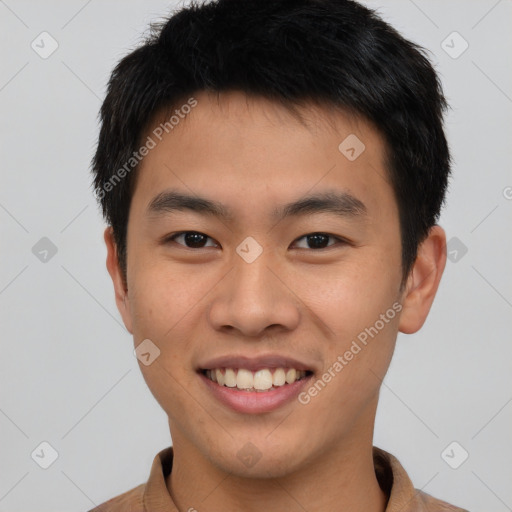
pixel 257 459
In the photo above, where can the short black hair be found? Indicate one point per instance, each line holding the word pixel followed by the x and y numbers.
pixel 338 53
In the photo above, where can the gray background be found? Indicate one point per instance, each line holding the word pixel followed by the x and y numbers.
pixel 67 371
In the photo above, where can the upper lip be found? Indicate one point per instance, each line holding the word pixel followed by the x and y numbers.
pixel 255 363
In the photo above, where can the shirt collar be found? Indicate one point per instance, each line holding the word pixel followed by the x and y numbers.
pixel 392 478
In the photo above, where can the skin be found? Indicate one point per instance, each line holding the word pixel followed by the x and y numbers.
pixel 308 303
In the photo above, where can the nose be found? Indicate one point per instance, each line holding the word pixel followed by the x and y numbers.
pixel 253 298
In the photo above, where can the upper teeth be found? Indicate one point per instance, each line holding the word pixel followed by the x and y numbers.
pixel 260 380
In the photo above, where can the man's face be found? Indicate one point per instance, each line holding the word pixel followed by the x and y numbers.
pixel 256 285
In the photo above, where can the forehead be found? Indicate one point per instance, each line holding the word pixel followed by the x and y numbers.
pixel 252 153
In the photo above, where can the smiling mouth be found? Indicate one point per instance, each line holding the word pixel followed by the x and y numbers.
pixel 263 380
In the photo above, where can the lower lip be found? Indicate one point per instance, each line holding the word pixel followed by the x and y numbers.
pixel 253 402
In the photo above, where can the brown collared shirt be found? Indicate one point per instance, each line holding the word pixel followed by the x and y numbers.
pixel 153 496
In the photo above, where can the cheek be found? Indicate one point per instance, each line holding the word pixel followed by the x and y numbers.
pixel 163 312
pixel 355 365
pixel 351 296
pixel 163 297
pixel 357 309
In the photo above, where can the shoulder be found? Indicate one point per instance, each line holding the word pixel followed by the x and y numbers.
pixel 129 501
pixel 432 504
pixel 403 497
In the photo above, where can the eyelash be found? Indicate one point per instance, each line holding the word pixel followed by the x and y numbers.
pixel 341 241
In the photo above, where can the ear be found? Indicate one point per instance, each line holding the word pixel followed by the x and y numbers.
pixel 121 293
pixel 423 281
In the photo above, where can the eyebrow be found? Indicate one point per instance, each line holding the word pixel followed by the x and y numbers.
pixel 342 204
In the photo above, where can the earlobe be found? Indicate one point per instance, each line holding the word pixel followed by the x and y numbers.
pixel 423 281
pixel 121 293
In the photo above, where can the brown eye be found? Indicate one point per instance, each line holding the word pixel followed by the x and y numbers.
pixel 191 239
pixel 319 240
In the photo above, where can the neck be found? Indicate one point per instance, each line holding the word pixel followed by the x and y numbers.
pixel 341 478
